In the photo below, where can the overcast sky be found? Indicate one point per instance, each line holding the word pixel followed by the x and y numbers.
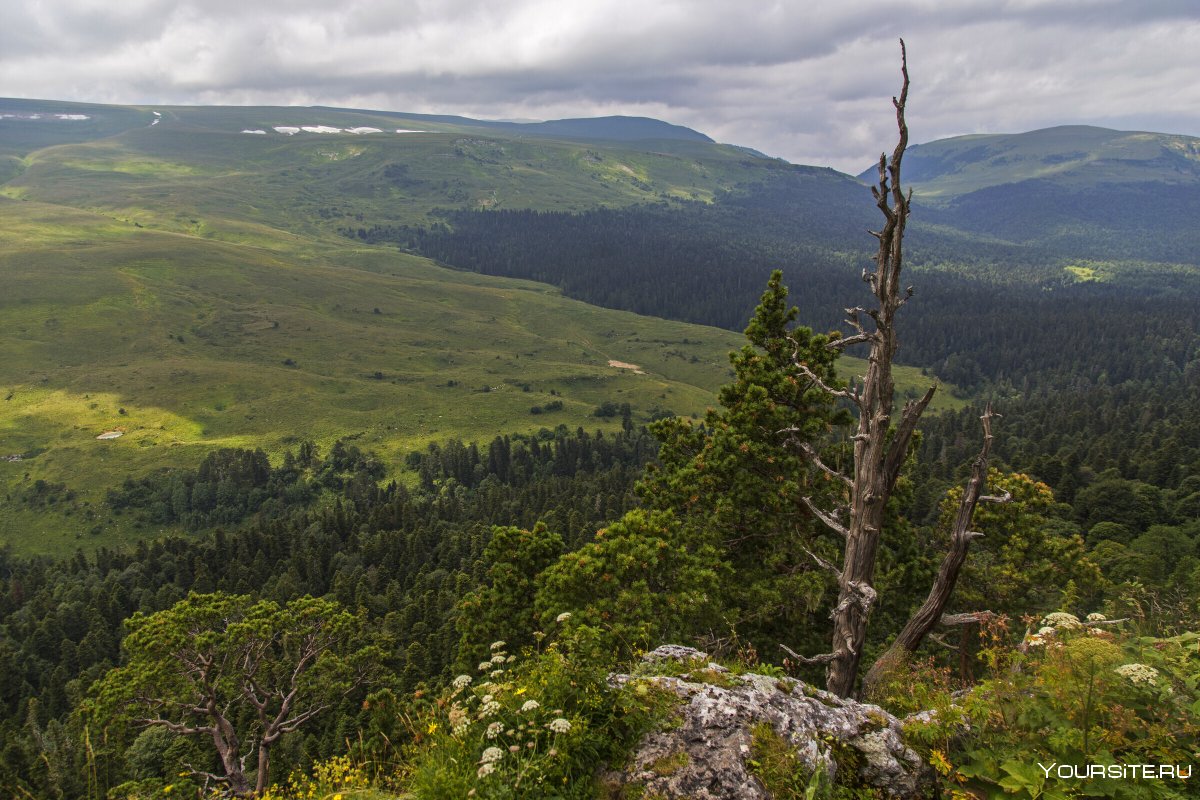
pixel 808 81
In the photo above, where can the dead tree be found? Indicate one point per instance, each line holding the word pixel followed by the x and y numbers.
pixel 880 447
pixel 931 614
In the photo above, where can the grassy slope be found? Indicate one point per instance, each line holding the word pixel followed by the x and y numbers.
pixel 169 272
pixel 1078 156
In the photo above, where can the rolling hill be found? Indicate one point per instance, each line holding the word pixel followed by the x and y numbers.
pixel 201 277
pixel 190 286
pixel 1071 191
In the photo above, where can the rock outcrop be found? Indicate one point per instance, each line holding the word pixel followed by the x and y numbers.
pixel 706 755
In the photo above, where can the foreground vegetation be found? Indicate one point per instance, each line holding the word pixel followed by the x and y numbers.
pixel 439 588
pixel 448 628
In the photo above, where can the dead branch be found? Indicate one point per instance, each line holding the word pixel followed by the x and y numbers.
pixel 930 614
pixel 815 459
pixel 824 658
pixel 823 563
pixel 968 618
pixel 829 520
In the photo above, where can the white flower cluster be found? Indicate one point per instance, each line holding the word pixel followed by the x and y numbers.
pixel 559 725
pixel 487 762
pixel 1138 674
pixel 459 719
pixel 530 705
pixel 1044 634
pixel 494 730
pixel 497 645
pixel 1061 620
pixel 563 617
pixel 1096 616
pixel 461 682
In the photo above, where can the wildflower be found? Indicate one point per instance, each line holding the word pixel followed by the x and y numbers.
pixel 485 770
pixel 170 787
pixel 484 666
pixel 513 748
pixel 433 726
pixel 459 719
pixel 489 708
pixel 497 645
pixel 496 673
pixel 1139 674
pixel 510 659
pixel 1046 631
pixel 493 730
pixel 498 658
pixel 563 617
pixel 530 705
pixel 559 725
pixel 1096 617
pixel 461 682
pixel 491 755
pixel 1061 619
pixel 487 698
pixel 1036 641
pixel 552 752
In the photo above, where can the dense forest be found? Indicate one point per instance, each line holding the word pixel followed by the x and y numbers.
pixel 1018 326
pixel 478 547
pixel 334 626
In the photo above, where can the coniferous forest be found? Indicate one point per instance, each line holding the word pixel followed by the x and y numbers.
pixel 473 617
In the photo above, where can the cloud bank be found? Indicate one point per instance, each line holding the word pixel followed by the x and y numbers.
pixel 810 82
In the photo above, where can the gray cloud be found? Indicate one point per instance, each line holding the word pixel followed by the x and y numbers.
pixel 807 81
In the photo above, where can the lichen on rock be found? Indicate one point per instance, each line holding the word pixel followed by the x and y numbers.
pixel 709 749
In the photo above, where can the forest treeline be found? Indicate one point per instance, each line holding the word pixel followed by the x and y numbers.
pixel 1023 324
pixel 407 556
pixel 1126 478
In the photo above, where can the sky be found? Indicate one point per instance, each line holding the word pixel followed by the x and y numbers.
pixel 807 80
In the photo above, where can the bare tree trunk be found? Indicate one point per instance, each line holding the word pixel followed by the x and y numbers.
pixel 879 450
pixel 930 614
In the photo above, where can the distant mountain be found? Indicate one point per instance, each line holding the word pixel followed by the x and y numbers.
pixel 611 128
pixel 1073 190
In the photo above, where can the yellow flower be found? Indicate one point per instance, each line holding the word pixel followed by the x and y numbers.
pixel 433 726
pixel 520 691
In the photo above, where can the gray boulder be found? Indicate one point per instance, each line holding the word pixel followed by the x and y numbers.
pixel 704 756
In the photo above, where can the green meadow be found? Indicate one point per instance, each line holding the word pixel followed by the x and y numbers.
pixel 189 289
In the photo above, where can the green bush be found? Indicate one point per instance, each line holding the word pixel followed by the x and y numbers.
pixel 529 728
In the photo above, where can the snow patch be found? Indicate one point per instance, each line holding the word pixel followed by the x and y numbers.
pixel 363 130
pixel 407 130
pixel 261 133
pixel 286 130
pixel 320 129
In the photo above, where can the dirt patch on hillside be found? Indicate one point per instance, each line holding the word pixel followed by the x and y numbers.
pixel 622 365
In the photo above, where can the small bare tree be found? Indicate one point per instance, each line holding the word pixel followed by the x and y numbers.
pixel 880 448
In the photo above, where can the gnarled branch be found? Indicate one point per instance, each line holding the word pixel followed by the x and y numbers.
pixel 824 658
pixel 830 521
